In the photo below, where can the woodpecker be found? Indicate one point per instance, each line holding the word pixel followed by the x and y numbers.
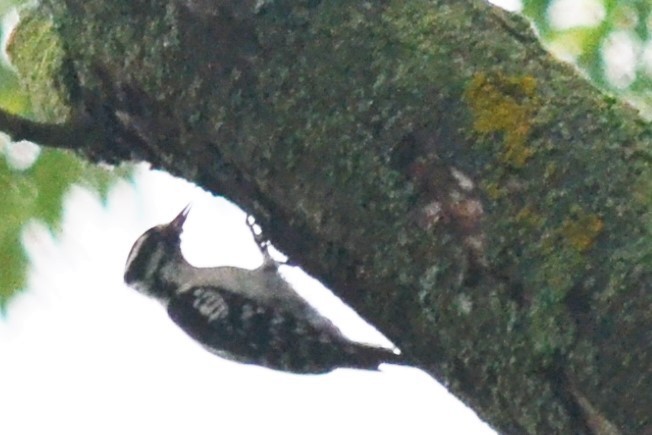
pixel 248 316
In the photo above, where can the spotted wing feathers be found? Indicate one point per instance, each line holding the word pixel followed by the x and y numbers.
pixel 242 329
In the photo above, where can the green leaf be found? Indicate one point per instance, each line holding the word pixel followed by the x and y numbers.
pixel 12 96
pixel 37 193
pixel 586 44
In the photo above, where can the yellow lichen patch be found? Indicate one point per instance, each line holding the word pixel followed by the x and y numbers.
pixel 493 190
pixel 504 104
pixel 528 216
pixel 581 231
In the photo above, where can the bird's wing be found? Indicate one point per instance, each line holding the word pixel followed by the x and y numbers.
pixel 243 329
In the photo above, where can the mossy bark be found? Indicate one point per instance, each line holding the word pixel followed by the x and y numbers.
pixel 475 199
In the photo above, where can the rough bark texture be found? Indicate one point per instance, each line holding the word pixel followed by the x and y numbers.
pixel 475 199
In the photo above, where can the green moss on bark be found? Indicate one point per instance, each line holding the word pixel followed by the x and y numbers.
pixel 37 51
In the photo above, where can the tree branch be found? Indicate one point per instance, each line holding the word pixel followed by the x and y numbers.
pixel 69 136
pixel 475 199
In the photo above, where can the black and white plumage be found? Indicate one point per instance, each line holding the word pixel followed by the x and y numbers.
pixel 249 316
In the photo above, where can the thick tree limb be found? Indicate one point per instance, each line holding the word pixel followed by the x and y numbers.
pixel 477 201
pixel 68 135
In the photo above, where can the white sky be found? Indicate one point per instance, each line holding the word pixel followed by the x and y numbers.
pixel 510 5
pixel 81 353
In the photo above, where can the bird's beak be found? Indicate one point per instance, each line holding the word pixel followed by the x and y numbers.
pixel 177 223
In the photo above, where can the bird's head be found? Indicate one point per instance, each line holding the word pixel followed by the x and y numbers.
pixel 153 253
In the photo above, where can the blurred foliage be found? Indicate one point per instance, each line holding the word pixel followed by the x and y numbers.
pixel 611 42
pixel 37 192
pixel 12 97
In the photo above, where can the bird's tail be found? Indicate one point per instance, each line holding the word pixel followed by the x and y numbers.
pixel 370 357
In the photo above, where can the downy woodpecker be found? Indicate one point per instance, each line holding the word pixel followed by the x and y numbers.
pixel 249 316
